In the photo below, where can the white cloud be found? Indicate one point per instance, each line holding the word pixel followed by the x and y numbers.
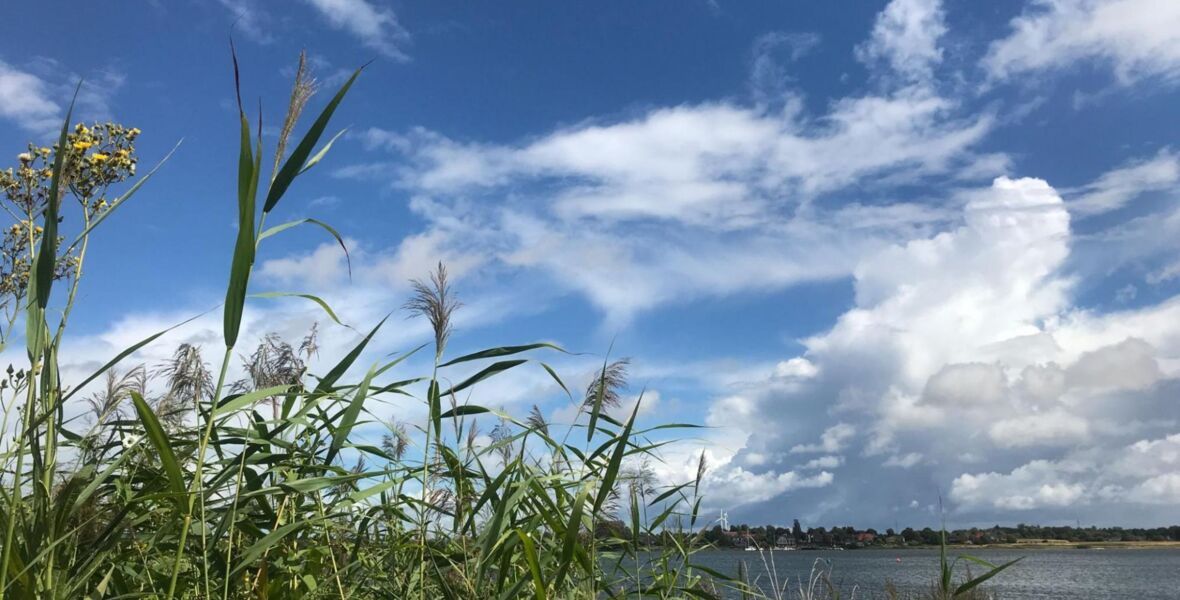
pixel 27 100
pixel 376 27
pixel 1053 428
pixel 679 202
pixel 321 267
pixel 769 76
pixel 964 347
pixel 904 461
pixel 966 385
pixel 833 439
pixel 1137 38
pixel 1145 472
pixel 1129 364
pixel 711 164
pixel 1028 487
pixel 797 367
pixel 35 95
pixel 1115 188
pixel 737 486
pixel 1166 273
pixel 824 462
pixel 250 18
pixel 905 37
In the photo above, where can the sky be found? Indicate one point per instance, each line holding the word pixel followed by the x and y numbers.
pixel 891 254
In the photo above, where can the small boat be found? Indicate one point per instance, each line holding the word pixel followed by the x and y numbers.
pixel 750 548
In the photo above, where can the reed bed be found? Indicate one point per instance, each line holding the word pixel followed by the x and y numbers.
pixel 183 484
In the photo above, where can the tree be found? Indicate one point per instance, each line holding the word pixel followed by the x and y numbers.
pixel 797 531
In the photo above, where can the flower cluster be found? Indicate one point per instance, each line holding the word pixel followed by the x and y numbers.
pixel 94 158
pixel 97 157
pixel 100 156
pixel 14 258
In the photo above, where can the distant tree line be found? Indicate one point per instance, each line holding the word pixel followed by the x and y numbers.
pixel 741 535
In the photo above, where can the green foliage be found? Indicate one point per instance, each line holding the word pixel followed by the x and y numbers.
pixel 196 492
pixel 199 492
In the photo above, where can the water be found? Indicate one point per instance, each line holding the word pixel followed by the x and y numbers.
pixel 1140 574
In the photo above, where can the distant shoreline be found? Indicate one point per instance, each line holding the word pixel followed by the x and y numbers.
pixel 1049 545
pixel 1030 545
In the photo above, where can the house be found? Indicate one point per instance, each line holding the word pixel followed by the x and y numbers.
pixel 865 537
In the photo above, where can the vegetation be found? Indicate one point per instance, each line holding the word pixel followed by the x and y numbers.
pixel 180 483
pixel 850 537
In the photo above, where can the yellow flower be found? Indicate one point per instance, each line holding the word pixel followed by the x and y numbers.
pixel 131 133
pixel 82 145
pixel 24 157
pixel 99 157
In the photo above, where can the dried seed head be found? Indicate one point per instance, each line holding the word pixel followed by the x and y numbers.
pixel 434 300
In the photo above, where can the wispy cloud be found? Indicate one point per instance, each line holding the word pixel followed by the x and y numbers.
pixel 1115 188
pixel 905 38
pixel 376 27
pixel 34 96
pixel 251 19
pixel 1136 38
pixel 27 100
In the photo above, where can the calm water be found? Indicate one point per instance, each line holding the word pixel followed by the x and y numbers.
pixel 1043 574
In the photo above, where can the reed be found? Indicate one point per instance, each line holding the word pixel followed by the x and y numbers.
pixel 186 485
pixel 183 484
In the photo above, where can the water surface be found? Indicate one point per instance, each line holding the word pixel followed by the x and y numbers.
pixel 1139 574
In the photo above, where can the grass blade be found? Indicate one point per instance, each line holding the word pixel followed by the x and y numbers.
pixel 334 375
pixel 296 162
pixel 323 305
pixel 155 434
pixel 501 351
pixel 309 221
pixel 486 372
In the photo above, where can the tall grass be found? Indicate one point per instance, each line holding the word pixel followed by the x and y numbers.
pixel 263 488
pixel 211 488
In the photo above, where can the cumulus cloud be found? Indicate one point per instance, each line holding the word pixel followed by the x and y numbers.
pixel 1144 472
pixel 1136 38
pixel 738 486
pixel 1052 428
pixel 833 439
pixel 1130 364
pixel 964 349
pixel 321 267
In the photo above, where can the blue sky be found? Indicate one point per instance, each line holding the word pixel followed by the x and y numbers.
pixel 886 251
